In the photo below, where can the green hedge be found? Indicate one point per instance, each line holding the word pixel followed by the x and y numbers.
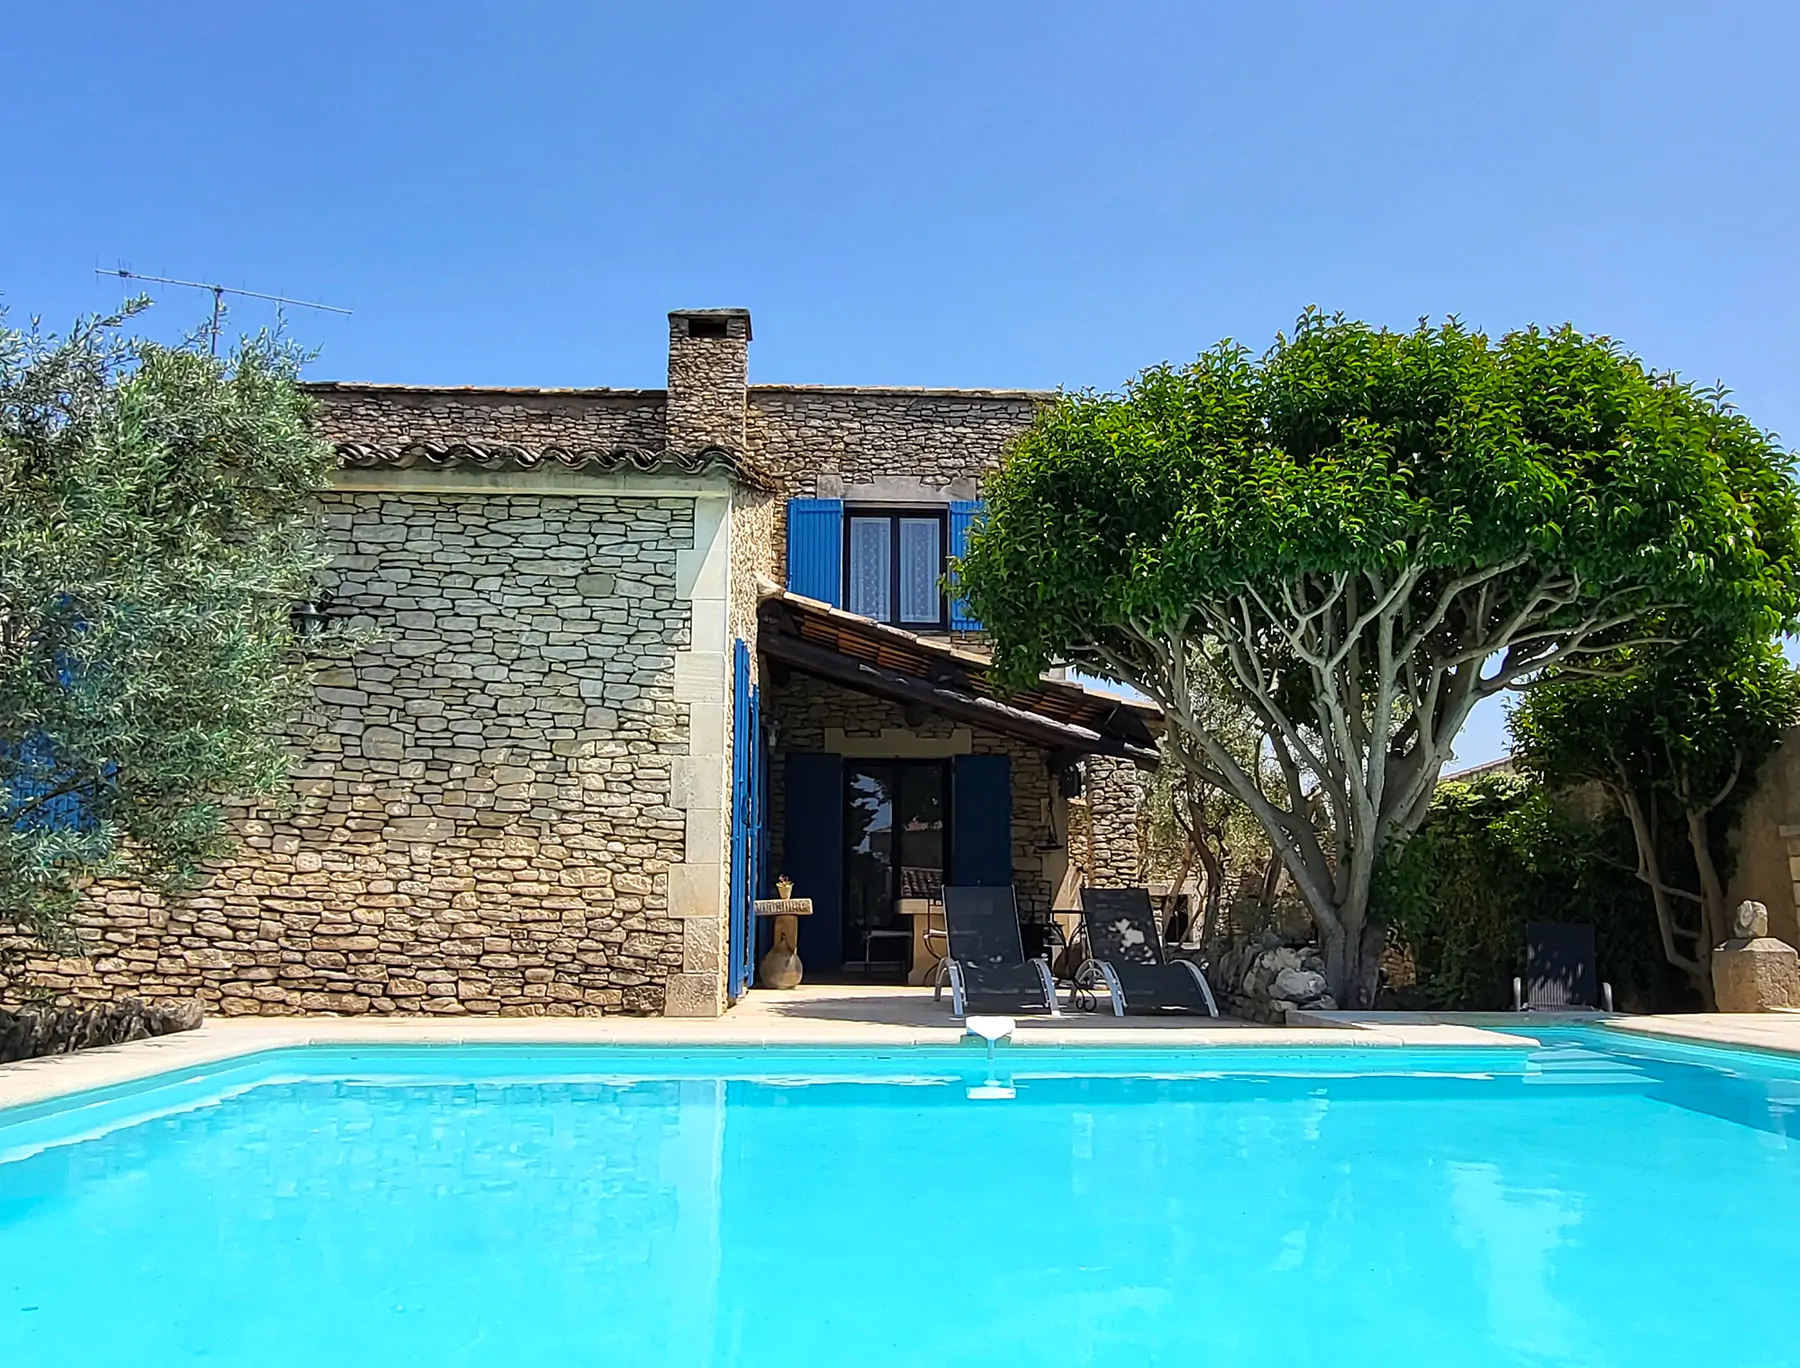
pixel 1495 854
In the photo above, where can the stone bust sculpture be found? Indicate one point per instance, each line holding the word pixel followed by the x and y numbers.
pixel 1750 921
pixel 1752 972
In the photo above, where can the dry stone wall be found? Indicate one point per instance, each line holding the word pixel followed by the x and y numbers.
pixel 879 445
pixel 824 441
pixel 483 819
pixel 390 416
pixel 1112 794
pixel 708 372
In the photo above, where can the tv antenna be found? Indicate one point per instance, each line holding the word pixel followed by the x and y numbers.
pixel 218 293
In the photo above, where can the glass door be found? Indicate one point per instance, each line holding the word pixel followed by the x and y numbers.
pixel 868 860
pixel 896 835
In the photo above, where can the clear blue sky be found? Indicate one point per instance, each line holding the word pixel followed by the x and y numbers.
pixel 958 194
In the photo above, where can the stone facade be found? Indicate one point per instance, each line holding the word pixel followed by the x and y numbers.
pixel 395 416
pixel 878 445
pixel 1112 796
pixel 517 799
pixel 483 817
pixel 708 377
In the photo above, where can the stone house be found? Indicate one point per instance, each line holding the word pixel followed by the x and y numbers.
pixel 638 652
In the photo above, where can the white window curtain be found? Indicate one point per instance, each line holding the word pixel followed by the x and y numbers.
pixel 921 563
pixel 870 559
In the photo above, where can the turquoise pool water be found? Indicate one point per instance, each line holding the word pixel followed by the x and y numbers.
pixel 1584 1204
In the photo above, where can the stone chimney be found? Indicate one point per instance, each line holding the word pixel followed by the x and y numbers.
pixel 708 370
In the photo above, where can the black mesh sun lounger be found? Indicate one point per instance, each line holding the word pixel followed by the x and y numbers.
pixel 986 967
pixel 1125 953
pixel 1560 970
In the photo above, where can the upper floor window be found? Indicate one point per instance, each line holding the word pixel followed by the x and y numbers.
pixel 894 566
pixel 885 563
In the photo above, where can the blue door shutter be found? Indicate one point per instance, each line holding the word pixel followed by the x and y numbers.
pixel 746 819
pixel 814 853
pixel 963 514
pixel 981 821
pixel 815 549
pixel 31 773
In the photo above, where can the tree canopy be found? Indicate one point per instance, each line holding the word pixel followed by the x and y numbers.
pixel 1366 532
pixel 1676 742
pixel 156 530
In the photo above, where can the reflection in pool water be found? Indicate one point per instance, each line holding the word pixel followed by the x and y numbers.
pixel 1573 1205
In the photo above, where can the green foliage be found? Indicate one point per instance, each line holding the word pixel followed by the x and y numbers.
pixel 156 527
pixel 1366 533
pixel 1676 741
pixel 1694 724
pixel 1346 448
pixel 1495 854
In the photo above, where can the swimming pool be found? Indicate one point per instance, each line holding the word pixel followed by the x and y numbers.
pixel 1595 1201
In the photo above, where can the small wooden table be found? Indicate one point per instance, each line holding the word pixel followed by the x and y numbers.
pixel 781 967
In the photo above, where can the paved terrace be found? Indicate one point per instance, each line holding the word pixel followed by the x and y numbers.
pixel 841 1016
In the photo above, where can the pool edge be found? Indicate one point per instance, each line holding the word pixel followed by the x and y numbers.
pixel 224 1041
pixel 229 1040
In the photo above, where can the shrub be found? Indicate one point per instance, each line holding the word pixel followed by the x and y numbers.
pixel 1497 853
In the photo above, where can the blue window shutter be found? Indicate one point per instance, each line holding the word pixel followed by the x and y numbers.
pixel 981 821
pixel 815 549
pixel 36 773
pixel 963 514
pixel 815 853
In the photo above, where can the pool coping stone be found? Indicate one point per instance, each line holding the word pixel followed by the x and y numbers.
pixel 218 1041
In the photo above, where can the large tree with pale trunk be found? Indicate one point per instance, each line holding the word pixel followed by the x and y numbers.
pixel 1365 533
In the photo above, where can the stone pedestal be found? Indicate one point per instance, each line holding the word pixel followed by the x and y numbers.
pixel 1753 972
pixel 781 967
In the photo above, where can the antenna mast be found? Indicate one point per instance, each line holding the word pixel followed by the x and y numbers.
pixel 218 293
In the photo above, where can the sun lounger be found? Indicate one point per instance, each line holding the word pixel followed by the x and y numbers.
pixel 1125 953
pixel 1561 971
pixel 986 968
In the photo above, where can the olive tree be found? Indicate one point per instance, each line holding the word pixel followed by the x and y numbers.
pixel 156 530
pixel 1366 533
pixel 1676 743
pixel 1202 824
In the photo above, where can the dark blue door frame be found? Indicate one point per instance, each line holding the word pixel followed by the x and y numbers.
pixel 748 792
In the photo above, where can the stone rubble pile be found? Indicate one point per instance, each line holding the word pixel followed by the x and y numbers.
pixel 1262 979
pixel 33 1031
